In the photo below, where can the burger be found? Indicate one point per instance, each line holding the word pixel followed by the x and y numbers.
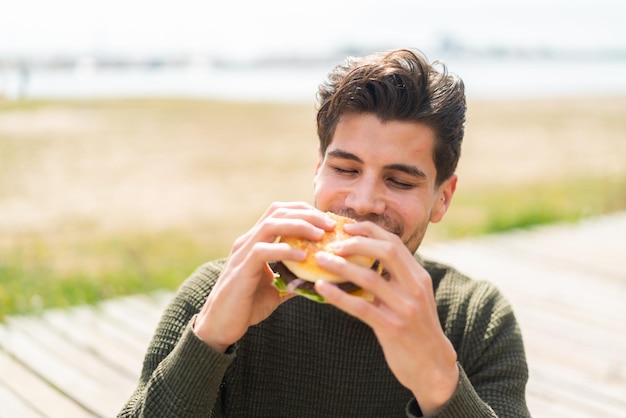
pixel 299 277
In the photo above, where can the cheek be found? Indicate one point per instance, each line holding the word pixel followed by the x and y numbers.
pixel 323 192
pixel 414 216
pixel 415 223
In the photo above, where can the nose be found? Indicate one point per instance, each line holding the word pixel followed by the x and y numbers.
pixel 366 197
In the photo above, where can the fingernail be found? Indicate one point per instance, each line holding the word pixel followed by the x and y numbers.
pixel 349 226
pixel 320 285
pixel 322 256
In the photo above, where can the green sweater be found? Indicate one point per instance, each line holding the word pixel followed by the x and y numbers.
pixel 310 359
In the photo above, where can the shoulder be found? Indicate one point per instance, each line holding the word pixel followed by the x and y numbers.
pixel 466 304
pixel 195 289
pixel 452 286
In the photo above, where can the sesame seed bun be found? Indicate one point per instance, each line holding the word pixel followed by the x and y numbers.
pixel 308 269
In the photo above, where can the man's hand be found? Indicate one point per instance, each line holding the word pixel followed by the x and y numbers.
pixel 243 295
pixel 403 315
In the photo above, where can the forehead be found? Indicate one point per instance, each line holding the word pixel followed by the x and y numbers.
pixel 385 142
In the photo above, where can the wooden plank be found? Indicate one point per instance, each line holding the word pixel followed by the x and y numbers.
pixel 572 380
pixel 597 246
pixel 126 316
pixel 149 309
pixel 36 397
pixel 523 280
pixel 99 394
pixel 95 355
pixel 111 329
pixel 81 332
pixel 540 286
pixel 15 407
pixel 584 336
pixel 546 406
pixel 573 396
pixel 12 406
pixel 40 333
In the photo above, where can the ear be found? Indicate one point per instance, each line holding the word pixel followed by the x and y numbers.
pixel 443 198
pixel 320 160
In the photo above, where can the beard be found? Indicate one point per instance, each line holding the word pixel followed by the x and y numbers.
pixel 412 242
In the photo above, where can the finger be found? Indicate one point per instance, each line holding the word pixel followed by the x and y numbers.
pixel 362 277
pixel 406 278
pixel 383 246
pixel 300 210
pixel 303 222
pixel 275 206
pixel 263 252
pixel 293 219
pixel 293 226
pixel 368 229
pixel 373 241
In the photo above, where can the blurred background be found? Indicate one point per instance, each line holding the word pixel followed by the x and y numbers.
pixel 139 138
pixel 238 50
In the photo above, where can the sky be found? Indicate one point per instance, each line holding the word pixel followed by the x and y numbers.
pixel 253 28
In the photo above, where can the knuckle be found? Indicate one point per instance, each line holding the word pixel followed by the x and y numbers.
pixel 269 223
pixel 360 309
pixel 411 311
pixel 239 242
pixel 275 205
pixel 387 250
pixel 396 326
pixel 372 279
pixel 279 212
pixel 255 251
pixel 408 310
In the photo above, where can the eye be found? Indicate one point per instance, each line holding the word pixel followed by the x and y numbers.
pixel 399 184
pixel 344 171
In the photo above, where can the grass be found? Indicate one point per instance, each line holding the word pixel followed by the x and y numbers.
pixel 105 198
pixel 497 209
pixel 42 272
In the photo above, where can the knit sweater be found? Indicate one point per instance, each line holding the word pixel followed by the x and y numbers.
pixel 313 360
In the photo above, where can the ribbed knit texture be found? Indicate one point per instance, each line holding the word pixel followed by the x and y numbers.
pixel 312 360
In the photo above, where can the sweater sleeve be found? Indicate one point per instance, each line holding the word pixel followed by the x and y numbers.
pixel 465 402
pixel 480 323
pixel 181 375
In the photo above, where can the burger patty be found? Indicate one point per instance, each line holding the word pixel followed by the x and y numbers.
pixel 288 276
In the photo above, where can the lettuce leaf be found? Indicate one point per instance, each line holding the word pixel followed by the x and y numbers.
pixel 280 284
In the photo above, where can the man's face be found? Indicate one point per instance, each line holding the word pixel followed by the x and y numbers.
pixel 384 173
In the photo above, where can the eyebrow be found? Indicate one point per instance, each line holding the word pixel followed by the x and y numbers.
pixel 411 170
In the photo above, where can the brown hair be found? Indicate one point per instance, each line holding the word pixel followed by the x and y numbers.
pixel 397 85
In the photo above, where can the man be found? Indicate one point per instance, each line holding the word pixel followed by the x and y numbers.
pixel 432 343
